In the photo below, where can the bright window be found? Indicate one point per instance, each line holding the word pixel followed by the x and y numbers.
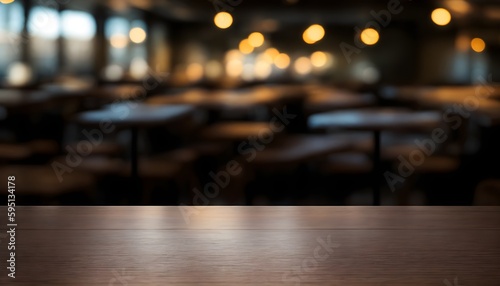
pixel 11 26
pixel 43 28
pixel 78 30
pixel 44 23
pixel 77 25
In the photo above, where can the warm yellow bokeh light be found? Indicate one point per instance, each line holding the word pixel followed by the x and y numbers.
pixel 19 74
pixel 263 57
pixel 233 55
pixel 213 70
pixel 223 20
pixel 262 70
pixel 282 61
pixel 245 47
pixel 138 68
pixel 194 72
pixel 458 6
pixel 478 45
pixel 6 1
pixel 118 41
pixel 272 52
pixel 313 34
pixel 137 35
pixel 370 36
pixel 441 17
pixel 234 68
pixel 303 66
pixel 256 39
pixel 319 59
pixel 307 40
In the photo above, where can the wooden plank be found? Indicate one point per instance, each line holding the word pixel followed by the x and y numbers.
pixel 259 257
pixel 272 218
pixel 256 246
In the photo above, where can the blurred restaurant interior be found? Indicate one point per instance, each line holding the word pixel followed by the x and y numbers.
pixel 251 102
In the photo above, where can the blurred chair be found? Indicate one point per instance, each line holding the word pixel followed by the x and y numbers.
pixel 282 169
pixel 40 185
pixel 487 193
pixel 36 151
pixel 172 169
pixel 103 149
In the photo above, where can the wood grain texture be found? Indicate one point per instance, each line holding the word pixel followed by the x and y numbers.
pixel 256 246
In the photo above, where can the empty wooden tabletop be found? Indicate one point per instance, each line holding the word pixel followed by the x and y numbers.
pixel 255 246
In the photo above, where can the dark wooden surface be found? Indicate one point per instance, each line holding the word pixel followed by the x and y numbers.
pixel 255 245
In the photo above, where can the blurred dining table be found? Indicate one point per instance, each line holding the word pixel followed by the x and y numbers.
pixel 482 101
pixel 119 91
pixel 298 149
pixel 322 99
pixel 303 245
pixel 236 131
pixel 22 100
pixel 376 120
pixel 242 100
pixel 133 116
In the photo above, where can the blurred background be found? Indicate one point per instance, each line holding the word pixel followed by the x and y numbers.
pixel 239 102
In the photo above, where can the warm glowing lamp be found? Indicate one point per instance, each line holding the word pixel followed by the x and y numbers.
pixel 137 35
pixel 441 17
pixel 478 45
pixel 370 36
pixel 223 20
pixel 256 39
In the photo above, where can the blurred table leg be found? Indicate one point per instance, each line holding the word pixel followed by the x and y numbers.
pixel 376 168
pixel 135 193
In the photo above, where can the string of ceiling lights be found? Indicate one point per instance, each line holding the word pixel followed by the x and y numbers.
pixel 315 33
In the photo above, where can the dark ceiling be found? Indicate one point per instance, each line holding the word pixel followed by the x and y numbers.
pixel 348 12
pixel 283 12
